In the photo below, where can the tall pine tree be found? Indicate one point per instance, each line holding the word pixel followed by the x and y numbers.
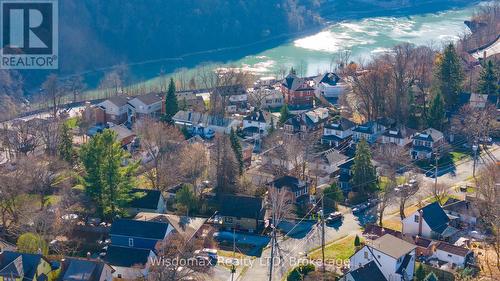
pixel 488 80
pixel 65 145
pixel 171 103
pixel 107 182
pixel 364 177
pixel 238 152
pixel 449 76
pixel 284 114
pixel 436 114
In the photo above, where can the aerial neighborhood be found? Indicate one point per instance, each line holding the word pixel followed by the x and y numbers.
pixel 383 170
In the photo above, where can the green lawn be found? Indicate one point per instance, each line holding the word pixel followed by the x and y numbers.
pixel 341 249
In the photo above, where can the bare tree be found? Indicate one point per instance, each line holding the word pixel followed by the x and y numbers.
pixel 194 163
pixel 474 123
pixel 20 138
pixel 48 131
pixel 407 191
pixel 54 93
pixel 224 165
pixel 439 191
pixel 12 204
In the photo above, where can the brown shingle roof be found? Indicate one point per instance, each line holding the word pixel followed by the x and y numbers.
pixel 456 250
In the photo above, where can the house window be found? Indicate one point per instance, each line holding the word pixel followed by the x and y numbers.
pixel 416 218
pixel 131 242
pixel 449 255
pixel 366 255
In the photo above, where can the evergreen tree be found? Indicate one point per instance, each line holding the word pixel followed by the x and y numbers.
pixel 357 241
pixel 107 182
pixel 333 195
pixel 488 80
pixel 364 176
pixel 65 145
pixel 420 273
pixel 284 114
pixel 171 104
pixel 238 152
pixel 436 115
pixel 185 199
pixel 449 76
pixel 271 129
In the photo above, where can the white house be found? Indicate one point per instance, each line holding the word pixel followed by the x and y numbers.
pixel 454 255
pixel 425 142
pixel 257 123
pixel 394 257
pixel 217 124
pixel 430 221
pixel 369 131
pixel 337 132
pixel 146 105
pixel 115 109
pixel 329 85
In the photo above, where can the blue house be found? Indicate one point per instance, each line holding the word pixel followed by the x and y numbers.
pixel 345 175
pixel 138 234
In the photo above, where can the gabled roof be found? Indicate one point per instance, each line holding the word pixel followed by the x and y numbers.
pixel 288 181
pixel 400 132
pixel 75 269
pixel 140 229
pixel 429 134
pixel 6 246
pixel 373 230
pixel 126 257
pixel 368 272
pixel 404 264
pixel 329 78
pixel 435 217
pixel 347 164
pixel 449 248
pixel 341 124
pixel 145 198
pixel 119 101
pixel 196 118
pixel 294 83
pixel 392 246
pixel 241 206
pixel 10 264
pixel 185 226
pixel 149 99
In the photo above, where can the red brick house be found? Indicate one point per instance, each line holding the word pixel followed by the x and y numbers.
pixel 298 92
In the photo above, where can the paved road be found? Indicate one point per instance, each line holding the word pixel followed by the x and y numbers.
pixel 292 250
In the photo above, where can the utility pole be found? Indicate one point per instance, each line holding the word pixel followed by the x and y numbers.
pixel 474 148
pixel 323 232
pixel 233 267
pixel 436 169
pixel 273 240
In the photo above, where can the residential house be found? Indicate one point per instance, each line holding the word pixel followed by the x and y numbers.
pixel 148 105
pixel 338 133
pixel 370 131
pixel 197 119
pixel 115 109
pixel 454 255
pixel 425 143
pixel 366 272
pixel 465 210
pixel 298 92
pixel 297 190
pixel 187 227
pixel 124 135
pixel 345 175
pixel 78 269
pixel 400 136
pixel 394 257
pixel 257 123
pixel 129 263
pixel 266 97
pixel 325 164
pixel 138 234
pixel 26 267
pixel 329 85
pixel 430 222
pixel 146 200
pixel 189 100
pixel 241 212
pixel 308 121
pixel 235 96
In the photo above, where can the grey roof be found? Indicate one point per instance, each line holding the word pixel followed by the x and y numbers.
pixel 456 250
pixel 404 264
pixel 28 264
pixel 366 128
pixel 126 257
pixel 149 99
pixel 257 115
pixel 341 124
pixel 294 83
pixel 119 101
pixel 435 217
pixel 145 198
pixel 241 206
pixel 185 226
pixel 392 246
pixel 81 270
pixel 141 229
pixel 368 272
pixel 429 134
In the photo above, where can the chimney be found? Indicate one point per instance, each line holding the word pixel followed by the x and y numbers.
pixel 420 212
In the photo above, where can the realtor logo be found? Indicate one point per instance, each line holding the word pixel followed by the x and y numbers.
pixel 28 34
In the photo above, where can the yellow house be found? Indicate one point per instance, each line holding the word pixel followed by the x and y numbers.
pixel 16 266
